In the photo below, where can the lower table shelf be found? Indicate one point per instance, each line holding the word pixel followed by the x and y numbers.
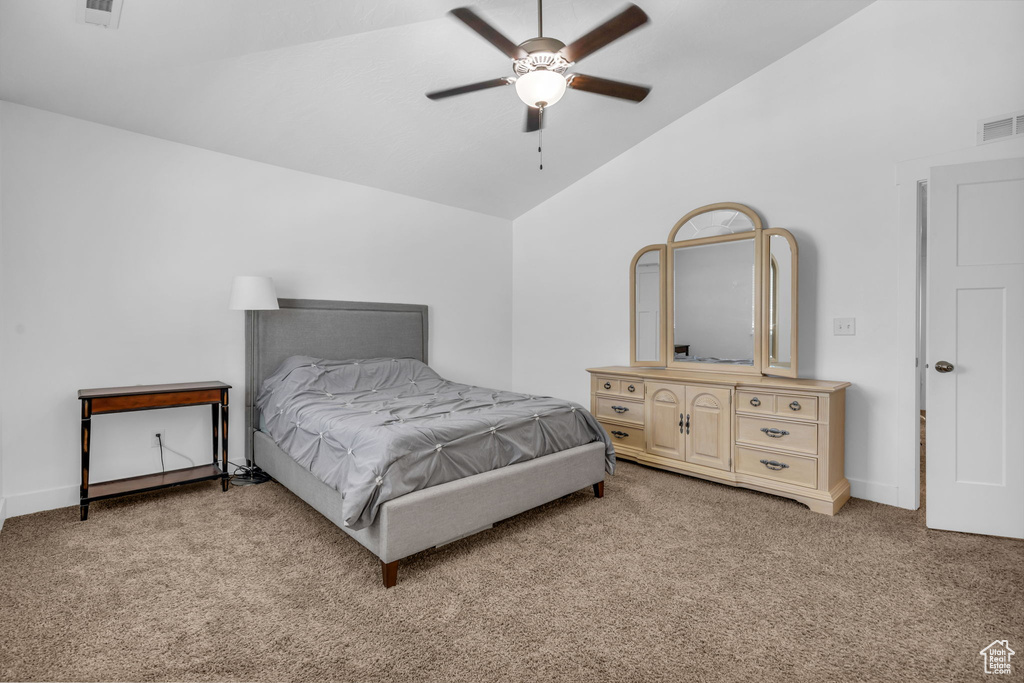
pixel 151 482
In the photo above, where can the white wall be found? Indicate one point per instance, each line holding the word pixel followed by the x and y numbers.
pixel 118 256
pixel 810 143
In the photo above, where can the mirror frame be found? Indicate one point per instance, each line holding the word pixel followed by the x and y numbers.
pixel 794 286
pixel 720 206
pixel 762 271
pixel 663 350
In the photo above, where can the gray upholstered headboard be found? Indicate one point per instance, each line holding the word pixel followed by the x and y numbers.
pixel 337 330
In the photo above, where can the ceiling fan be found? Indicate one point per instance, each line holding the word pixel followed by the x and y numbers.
pixel 540 63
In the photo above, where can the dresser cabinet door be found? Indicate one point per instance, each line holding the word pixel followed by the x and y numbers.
pixel 665 411
pixel 708 427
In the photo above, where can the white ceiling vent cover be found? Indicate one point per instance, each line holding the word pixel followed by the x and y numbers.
pixel 106 13
pixel 1001 127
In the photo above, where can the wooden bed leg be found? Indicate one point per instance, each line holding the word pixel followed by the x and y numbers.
pixel 599 489
pixel 389 570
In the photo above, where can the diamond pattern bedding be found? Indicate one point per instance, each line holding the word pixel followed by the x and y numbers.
pixel 377 429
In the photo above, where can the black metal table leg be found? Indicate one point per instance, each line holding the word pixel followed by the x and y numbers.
pixel 224 438
pixel 86 435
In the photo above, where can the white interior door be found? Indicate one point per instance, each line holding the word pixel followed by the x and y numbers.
pixel 648 317
pixel 975 452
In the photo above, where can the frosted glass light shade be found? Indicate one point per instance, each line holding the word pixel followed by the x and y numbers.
pixel 540 87
pixel 253 293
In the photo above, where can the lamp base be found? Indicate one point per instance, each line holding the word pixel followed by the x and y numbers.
pixel 248 476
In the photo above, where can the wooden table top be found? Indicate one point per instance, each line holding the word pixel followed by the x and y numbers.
pixel 137 389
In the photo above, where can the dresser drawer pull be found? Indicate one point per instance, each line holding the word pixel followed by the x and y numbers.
pixel 620 435
pixel 631 388
pixel 794 406
pixel 774 464
pixel 620 409
pixel 607 385
pixel 774 433
pixel 755 401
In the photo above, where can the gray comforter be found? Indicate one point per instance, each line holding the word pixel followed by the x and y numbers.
pixel 378 429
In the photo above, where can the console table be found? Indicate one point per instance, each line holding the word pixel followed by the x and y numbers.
pixel 152 397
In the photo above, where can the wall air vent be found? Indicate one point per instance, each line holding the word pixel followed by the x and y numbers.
pixel 1001 127
pixel 106 13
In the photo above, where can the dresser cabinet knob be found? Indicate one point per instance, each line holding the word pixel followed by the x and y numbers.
pixel 794 406
pixel 607 385
pixel 620 435
pixel 631 388
pixel 755 401
pixel 620 409
pixel 774 433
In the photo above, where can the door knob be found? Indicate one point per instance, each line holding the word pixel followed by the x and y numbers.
pixel 943 366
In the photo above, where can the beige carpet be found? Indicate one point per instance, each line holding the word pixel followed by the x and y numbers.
pixel 667 578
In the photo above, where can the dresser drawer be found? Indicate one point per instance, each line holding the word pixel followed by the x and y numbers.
pixel 765 403
pixel 755 402
pixel 798 407
pixel 620 410
pixel 792 436
pixel 792 469
pixel 630 437
pixel 633 388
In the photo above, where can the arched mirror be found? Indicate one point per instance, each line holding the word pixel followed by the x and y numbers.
pixel 727 300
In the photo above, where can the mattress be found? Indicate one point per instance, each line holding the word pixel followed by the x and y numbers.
pixel 380 428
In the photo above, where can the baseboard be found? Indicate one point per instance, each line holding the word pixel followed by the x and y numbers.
pixel 874 491
pixel 67 496
pixel 37 501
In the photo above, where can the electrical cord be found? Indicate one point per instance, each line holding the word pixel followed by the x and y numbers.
pixel 181 455
pixel 245 475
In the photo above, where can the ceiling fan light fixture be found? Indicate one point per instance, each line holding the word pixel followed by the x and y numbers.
pixel 540 87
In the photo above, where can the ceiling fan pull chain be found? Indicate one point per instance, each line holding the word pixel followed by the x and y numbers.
pixel 540 140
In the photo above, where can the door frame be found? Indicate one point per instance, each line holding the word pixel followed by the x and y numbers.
pixel 909 174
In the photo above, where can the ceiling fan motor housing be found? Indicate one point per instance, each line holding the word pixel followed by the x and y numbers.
pixel 543 54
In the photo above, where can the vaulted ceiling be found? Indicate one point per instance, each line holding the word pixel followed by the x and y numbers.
pixel 336 88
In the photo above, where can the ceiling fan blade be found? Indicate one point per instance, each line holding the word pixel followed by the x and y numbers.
pixel 488 32
pixel 604 86
pixel 534 119
pixel 613 29
pixel 472 87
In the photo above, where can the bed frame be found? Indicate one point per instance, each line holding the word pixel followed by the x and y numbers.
pixel 421 519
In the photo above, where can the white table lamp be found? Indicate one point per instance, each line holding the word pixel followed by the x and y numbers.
pixel 253 293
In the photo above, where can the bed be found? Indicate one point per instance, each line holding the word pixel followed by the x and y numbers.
pixel 423 518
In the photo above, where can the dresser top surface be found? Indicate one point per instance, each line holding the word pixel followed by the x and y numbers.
pixel 733 380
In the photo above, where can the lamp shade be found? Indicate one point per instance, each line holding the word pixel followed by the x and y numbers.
pixel 253 293
pixel 540 88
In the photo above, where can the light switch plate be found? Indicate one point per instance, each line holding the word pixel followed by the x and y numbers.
pixel 844 326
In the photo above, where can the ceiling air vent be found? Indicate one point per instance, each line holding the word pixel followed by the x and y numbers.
pixel 106 13
pixel 1001 127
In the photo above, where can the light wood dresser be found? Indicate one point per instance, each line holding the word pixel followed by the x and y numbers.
pixel 777 435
